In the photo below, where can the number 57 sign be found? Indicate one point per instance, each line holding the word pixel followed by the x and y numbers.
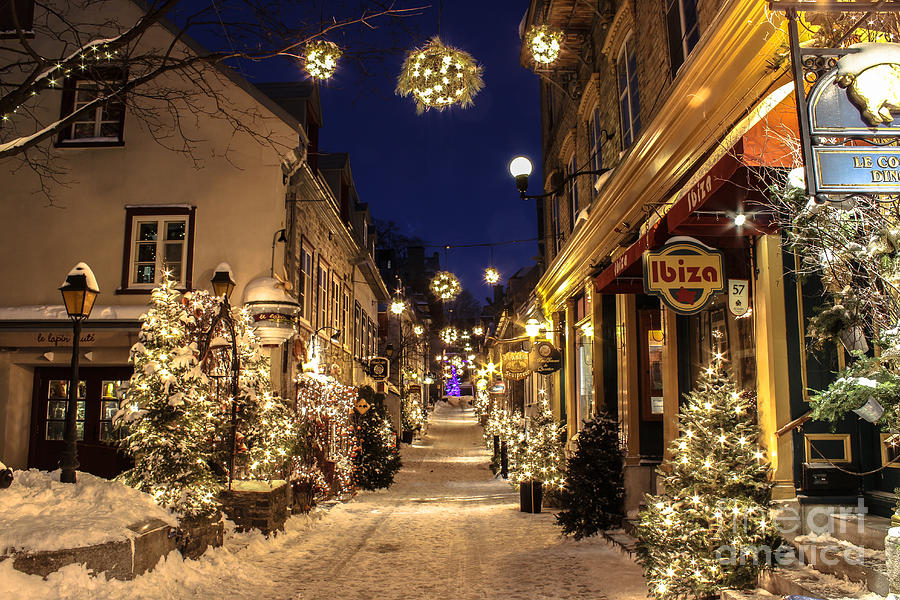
pixel 738 296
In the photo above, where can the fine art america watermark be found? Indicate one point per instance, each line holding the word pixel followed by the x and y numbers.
pixel 818 537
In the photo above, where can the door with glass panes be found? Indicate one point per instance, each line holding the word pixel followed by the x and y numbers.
pixel 99 393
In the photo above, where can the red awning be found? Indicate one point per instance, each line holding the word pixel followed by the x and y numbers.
pixel 621 277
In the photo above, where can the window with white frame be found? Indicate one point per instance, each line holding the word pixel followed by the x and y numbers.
pixel 571 169
pixel 100 122
pixel 683 30
pixel 322 297
pixel 158 240
pixel 629 101
pixel 357 331
pixel 335 303
pixel 304 291
pixel 345 318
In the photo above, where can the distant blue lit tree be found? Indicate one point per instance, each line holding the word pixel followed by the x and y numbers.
pixel 453 384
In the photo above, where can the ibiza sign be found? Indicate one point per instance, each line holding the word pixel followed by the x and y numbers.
pixel 685 274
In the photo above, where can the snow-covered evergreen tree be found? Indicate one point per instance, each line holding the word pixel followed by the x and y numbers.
pixel 166 411
pixel 539 455
pixel 593 494
pixel 377 458
pixel 711 528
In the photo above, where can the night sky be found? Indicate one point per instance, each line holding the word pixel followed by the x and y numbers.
pixel 441 176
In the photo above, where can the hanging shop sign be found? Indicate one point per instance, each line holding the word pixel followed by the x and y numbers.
pixel 544 358
pixel 379 368
pixel 738 296
pixel 498 388
pixel 856 100
pixel 684 274
pixel 362 406
pixel 515 365
pixel 414 389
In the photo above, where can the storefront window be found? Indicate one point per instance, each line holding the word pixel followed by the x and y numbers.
pixel 584 376
pixel 655 364
pixel 716 331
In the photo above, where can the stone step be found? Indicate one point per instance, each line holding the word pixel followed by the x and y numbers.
pixel 845 561
pixel 757 594
pixel 860 530
pixel 621 539
pixel 805 581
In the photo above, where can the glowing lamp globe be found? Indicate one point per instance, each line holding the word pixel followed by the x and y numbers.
pixel 520 168
pixel 397 307
pixel 418 330
pixel 438 76
pixel 532 327
pixel 321 58
pixel 491 275
pixel 449 335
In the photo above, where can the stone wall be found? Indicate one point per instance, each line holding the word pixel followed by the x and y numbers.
pixel 264 509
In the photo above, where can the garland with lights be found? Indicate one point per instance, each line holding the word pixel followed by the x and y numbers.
pixel 321 58
pixel 438 76
pixel 445 285
pixel 545 44
pixel 593 494
pixel 324 408
pixel 166 411
pixel 712 528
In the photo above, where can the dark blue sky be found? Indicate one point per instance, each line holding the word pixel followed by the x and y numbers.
pixel 442 176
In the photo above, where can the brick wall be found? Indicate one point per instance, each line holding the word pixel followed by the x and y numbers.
pixel 570 112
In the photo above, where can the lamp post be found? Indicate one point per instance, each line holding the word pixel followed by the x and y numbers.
pixel 79 292
pixel 520 168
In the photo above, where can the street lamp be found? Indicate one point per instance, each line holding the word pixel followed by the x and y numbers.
pixel 520 168
pixel 79 292
pixel 222 281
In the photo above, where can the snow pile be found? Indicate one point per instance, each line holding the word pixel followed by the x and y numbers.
pixel 37 512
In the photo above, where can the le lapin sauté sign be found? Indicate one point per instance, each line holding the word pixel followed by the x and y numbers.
pixel 849 106
pixel 684 274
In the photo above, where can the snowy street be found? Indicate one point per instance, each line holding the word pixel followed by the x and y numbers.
pixel 446 529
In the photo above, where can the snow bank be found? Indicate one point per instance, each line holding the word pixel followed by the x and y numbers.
pixel 37 512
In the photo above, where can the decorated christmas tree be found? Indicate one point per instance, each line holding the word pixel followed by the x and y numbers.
pixel 377 459
pixel 166 411
pixel 711 529
pixel 538 454
pixel 452 386
pixel 593 495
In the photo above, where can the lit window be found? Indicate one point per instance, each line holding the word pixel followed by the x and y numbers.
pixel 158 240
pixel 629 104
pixel 684 32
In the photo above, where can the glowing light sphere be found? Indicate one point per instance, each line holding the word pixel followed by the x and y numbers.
pixel 438 76
pixel 449 335
pixel 491 275
pixel 321 58
pixel 418 330
pixel 398 306
pixel 544 43
pixel 445 285
pixel 478 330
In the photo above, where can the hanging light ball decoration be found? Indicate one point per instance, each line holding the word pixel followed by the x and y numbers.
pixel 398 306
pixel 418 330
pixel 321 58
pixel 544 43
pixel 445 285
pixel 492 275
pixel 438 76
pixel 449 335
pixel 478 330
